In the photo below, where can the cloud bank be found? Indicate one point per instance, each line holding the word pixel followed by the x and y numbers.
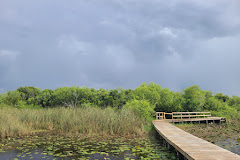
pixel 106 44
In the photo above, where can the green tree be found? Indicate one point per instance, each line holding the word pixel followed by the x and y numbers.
pixel 13 97
pixel 221 97
pixel 177 102
pixel 103 98
pixel 150 92
pixel 67 96
pixel 29 94
pixel 194 98
pixel 45 98
pixel 234 102
pixel 141 108
pixel 2 98
pixel 170 101
pixel 165 104
pixel 212 104
pixel 119 96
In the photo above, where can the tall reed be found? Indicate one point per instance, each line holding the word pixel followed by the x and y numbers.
pixel 14 122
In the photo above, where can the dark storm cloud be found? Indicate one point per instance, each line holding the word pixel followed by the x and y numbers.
pixel 124 43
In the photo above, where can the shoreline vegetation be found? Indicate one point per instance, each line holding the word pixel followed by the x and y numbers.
pixel 87 121
pixel 84 110
pixel 79 121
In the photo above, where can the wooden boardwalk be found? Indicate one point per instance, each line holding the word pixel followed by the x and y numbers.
pixel 191 147
pixel 207 120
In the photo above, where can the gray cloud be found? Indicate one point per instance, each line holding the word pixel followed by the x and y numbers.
pixel 106 44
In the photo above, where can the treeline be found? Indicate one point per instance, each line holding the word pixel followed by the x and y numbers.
pixel 146 99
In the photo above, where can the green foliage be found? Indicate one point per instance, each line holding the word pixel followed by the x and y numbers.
pixel 67 96
pixel 212 104
pixel 144 99
pixel 103 98
pixel 46 98
pixel 119 97
pixel 86 105
pixel 228 112
pixel 234 102
pixel 170 101
pixel 142 108
pixel 29 94
pixel 2 98
pixel 221 97
pixel 178 102
pixel 13 97
pixel 150 93
pixel 194 99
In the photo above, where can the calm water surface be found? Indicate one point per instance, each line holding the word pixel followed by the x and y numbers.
pixel 230 144
pixel 75 147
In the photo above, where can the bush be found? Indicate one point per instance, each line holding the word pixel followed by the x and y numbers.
pixel 228 112
pixel 170 101
pixel 212 104
pixel 2 98
pixel 141 108
pixel 13 97
pixel 194 99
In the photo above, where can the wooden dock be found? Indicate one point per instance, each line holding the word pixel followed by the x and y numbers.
pixel 191 147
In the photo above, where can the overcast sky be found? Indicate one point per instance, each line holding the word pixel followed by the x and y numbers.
pixel 111 43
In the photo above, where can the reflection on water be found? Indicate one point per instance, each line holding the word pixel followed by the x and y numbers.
pixel 230 144
pixel 38 154
pixel 75 147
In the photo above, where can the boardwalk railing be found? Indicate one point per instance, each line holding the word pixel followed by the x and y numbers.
pixel 160 115
pixel 182 115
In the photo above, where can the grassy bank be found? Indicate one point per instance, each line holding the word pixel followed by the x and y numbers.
pixel 16 122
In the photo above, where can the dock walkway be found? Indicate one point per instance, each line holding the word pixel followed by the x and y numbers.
pixel 191 147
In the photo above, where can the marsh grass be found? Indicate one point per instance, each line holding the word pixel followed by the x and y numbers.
pixel 90 120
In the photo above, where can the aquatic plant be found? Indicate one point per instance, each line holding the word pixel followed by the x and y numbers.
pixel 84 147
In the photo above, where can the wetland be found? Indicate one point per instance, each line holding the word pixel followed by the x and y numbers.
pixel 72 147
pixel 86 123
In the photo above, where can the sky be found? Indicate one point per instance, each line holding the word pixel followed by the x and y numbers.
pixel 112 43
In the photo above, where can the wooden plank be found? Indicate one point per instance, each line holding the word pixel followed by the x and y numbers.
pixel 199 119
pixel 189 112
pixel 169 113
pixel 191 147
pixel 191 116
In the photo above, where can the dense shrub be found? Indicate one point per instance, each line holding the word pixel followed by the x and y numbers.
pixel 13 98
pixel 234 102
pixel 141 108
pixel 143 99
pixel 2 98
pixel 194 98
pixel 170 101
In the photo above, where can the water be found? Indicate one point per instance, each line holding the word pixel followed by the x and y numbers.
pixel 230 144
pixel 81 147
